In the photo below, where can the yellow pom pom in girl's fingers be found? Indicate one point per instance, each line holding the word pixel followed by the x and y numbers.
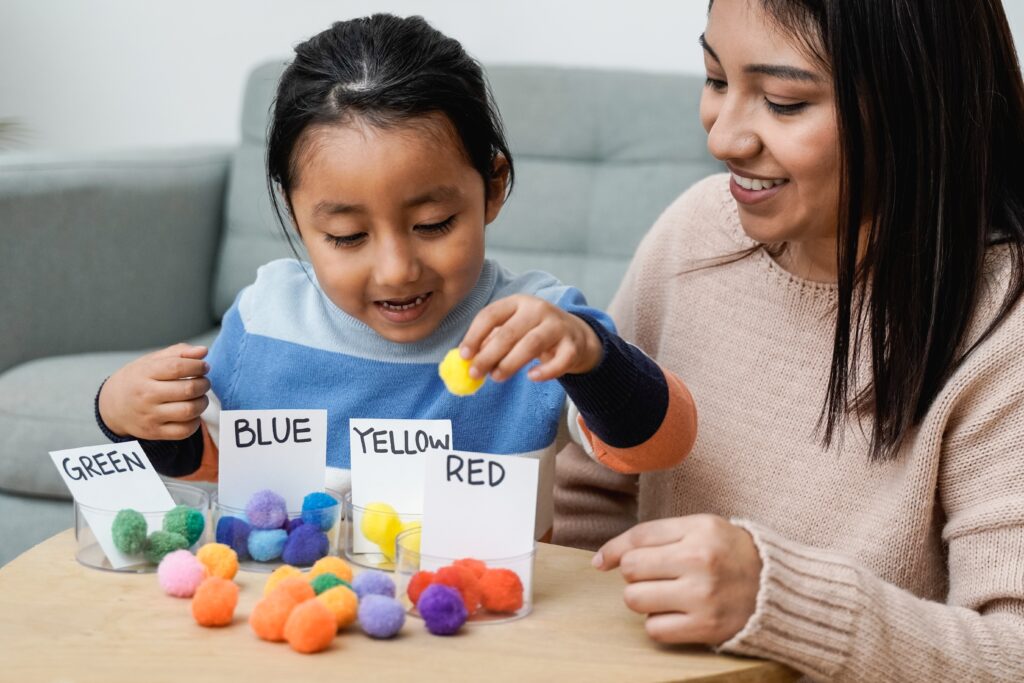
pixel 454 370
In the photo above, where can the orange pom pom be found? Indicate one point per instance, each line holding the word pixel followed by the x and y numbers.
pixel 331 565
pixel 343 602
pixel 214 602
pixel 464 581
pixel 297 587
pixel 501 590
pixel 476 566
pixel 270 615
pixel 220 560
pixel 310 627
pixel 417 584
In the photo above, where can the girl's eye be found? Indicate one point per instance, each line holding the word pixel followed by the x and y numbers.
pixel 715 84
pixel 345 240
pixel 784 109
pixel 437 228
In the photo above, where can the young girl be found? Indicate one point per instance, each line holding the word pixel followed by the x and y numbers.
pixel 389 159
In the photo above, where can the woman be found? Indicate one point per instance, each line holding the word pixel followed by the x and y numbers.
pixel 844 306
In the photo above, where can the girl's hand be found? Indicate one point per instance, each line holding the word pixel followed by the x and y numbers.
pixel 158 397
pixel 511 332
pixel 696 578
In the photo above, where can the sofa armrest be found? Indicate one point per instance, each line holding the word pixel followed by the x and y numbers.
pixel 107 253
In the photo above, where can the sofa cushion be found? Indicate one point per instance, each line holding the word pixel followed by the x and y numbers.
pixel 599 154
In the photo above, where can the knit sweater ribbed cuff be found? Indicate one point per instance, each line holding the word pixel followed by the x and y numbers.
pixel 807 606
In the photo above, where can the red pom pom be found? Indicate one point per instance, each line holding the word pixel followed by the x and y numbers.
pixel 501 590
pixel 417 584
pixel 464 581
pixel 476 566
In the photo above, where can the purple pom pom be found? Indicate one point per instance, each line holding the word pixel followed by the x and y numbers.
pixel 293 524
pixel 381 616
pixel 442 609
pixel 234 532
pixel 304 546
pixel 373 583
pixel 266 510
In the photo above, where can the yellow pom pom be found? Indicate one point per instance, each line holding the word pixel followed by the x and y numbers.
pixel 278 575
pixel 412 541
pixel 454 370
pixel 380 524
pixel 220 560
pixel 342 601
pixel 331 565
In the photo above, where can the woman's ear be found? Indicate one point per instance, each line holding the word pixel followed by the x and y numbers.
pixel 496 189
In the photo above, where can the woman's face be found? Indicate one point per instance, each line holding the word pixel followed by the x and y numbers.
pixel 769 112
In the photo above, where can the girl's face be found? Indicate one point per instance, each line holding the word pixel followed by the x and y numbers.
pixel 770 116
pixel 393 221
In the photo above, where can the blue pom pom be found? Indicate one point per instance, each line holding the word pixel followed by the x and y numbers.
pixel 293 524
pixel 234 532
pixel 381 616
pixel 442 609
pixel 267 544
pixel 373 583
pixel 320 509
pixel 305 545
pixel 266 510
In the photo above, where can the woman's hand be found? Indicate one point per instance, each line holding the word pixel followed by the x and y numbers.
pixel 696 578
pixel 158 397
pixel 511 332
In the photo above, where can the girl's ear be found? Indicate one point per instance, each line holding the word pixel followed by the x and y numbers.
pixel 496 188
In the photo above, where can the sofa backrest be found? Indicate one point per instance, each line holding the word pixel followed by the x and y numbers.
pixel 598 154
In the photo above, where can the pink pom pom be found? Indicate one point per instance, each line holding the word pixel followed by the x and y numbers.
pixel 180 573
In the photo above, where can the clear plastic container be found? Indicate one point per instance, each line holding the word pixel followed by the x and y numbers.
pixel 360 550
pixel 248 563
pixel 89 552
pixel 410 560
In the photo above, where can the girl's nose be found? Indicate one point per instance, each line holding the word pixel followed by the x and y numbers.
pixel 732 135
pixel 397 263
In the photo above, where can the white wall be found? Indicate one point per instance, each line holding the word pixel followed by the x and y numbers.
pixel 100 74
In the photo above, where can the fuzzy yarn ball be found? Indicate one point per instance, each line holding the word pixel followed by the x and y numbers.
pixel 186 521
pixel 463 580
pixel 267 544
pixel 417 584
pixel 297 587
pixel 332 565
pixel 410 542
pixel 180 574
pixel 380 524
pixel 325 582
pixel 293 524
pixel 320 509
pixel 278 575
pixel 129 531
pixel 234 532
pixel 160 543
pixel 501 590
pixel 478 567
pixel 381 616
pixel 305 545
pixel 270 614
pixel 214 602
pixel 373 583
pixel 343 602
pixel 310 627
pixel 266 510
pixel 442 609
pixel 220 559
pixel 454 371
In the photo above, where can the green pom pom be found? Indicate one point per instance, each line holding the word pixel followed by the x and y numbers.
pixel 161 543
pixel 325 582
pixel 186 521
pixel 129 532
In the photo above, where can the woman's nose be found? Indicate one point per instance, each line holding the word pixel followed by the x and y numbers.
pixel 732 135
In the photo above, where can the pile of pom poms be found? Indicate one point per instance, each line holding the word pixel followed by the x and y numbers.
pixel 265 533
pixel 445 599
pixel 182 527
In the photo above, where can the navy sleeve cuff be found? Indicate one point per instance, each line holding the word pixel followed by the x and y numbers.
pixel 169 458
pixel 624 399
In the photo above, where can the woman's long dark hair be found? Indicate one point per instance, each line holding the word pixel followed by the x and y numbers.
pixel 930 110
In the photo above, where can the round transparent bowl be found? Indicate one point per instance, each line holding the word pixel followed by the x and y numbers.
pixel 246 563
pixel 361 551
pixel 410 560
pixel 89 552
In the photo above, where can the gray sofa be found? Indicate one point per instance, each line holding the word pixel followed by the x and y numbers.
pixel 106 257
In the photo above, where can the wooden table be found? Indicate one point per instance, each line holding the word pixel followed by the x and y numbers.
pixel 62 622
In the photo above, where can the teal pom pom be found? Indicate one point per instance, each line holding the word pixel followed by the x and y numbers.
pixel 129 532
pixel 267 544
pixel 186 521
pixel 161 543
pixel 320 509
pixel 325 582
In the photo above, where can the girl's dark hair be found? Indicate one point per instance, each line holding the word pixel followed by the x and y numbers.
pixel 385 71
pixel 930 108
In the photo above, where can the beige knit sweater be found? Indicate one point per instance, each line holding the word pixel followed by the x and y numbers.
pixel 911 570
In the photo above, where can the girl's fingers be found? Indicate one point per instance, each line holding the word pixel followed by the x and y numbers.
pixel 181 411
pixel 176 431
pixel 171 368
pixel 180 350
pixel 553 365
pixel 492 316
pixel 532 344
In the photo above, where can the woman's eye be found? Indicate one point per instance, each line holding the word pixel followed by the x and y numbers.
pixel 784 109
pixel 437 228
pixel 715 84
pixel 345 240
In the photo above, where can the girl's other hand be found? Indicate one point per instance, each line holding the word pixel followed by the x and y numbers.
pixel 696 578
pixel 159 396
pixel 511 332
